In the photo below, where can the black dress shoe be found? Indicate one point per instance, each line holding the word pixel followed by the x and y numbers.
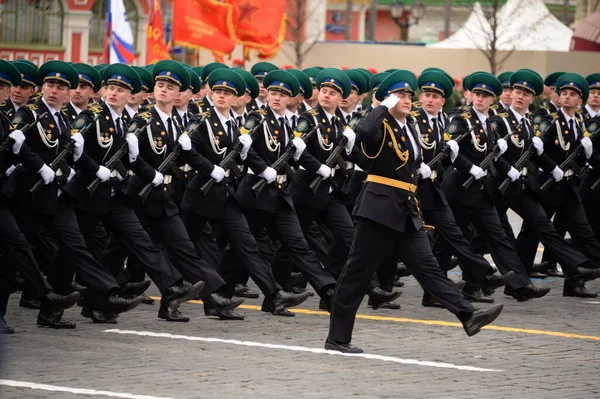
pixel 477 296
pixel 283 299
pixel 267 306
pixel 378 296
pixel 295 278
pixel 429 301
pixel 180 293
pixel 342 347
pixel 29 303
pixel 244 291
pixel 133 288
pixel 301 290
pixel 99 317
pixel 398 283
pixel 538 275
pixel 217 301
pixel 460 285
pixel 52 302
pixel 481 318
pixel 171 314
pixel 493 281
pixel 574 288
pixel 223 314
pixel 402 270
pixel 147 300
pixel 114 303
pixel 526 293
pixel 54 320
pixel 78 287
pixel 540 267
pixel 4 328
pixel 553 272
pixel 393 305
pixel 326 298
pixel 585 274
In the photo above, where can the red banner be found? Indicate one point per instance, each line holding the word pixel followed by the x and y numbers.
pixel 204 24
pixel 259 24
pixel 156 48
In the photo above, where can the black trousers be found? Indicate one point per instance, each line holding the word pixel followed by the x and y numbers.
pixel 17 257
pixel 234 226
pixel 122 222
pixel 287 227
pixel 487 222
pixel 449 236
pixel 170 235
pixel 372 244
pixel 65 230
pixel 573 216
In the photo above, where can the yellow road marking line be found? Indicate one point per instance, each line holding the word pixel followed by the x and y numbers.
pixel 431 322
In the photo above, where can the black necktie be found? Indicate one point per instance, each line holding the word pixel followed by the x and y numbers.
pixel 61 124
pixel 524 127
pixel 240 121
pixel 436 130
pixel 185 120
pixel 282 129
pixel 348 117
pixel 441 120
pixel 333 126
pixel 294 122
pixel 263 106
pixel 170 129
pixel 230 130
pixel 119 128
pixel 572 129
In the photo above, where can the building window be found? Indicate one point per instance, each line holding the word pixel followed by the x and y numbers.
pixel 31 22
pixel 98 23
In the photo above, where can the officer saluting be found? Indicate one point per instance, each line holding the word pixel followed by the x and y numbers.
pixel 387 218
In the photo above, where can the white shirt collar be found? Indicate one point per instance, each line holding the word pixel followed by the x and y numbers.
pixel 430 116
pixel 308 107
pixel 235 114
pixel 482 117
pixel 130 110
pixel 517 115
pixel 591 111
pixel 52 110
pixel 328 115
pixel 181 113
pixel 113 114
pixel 568 118
pixel 289 114
pixel 259 103
pixel 76 108
pixel 163 116
pixel 223 119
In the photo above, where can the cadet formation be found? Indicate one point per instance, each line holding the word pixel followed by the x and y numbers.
pixel 198 179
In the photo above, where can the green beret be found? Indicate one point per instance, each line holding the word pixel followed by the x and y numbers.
pixel 282 81
pixel 122 75
pixel 399 81
pixel 436 82
pixel 88 75
pixel 551 79
pixel 252 87
pixel 59 71
pixel 208 68
pixel 198 70
pixel 30 74
pixel 391 70
pixel 9 74
pixel 357 80
pixel 306 88
pixel 145 77
pixel 261 69
pixel 335 78
pixel 227 79
pixel 440 71
pixel 594 81
pixel 484 82
pixel 171 71
pixel 575 82
pixel 366 75
pixel 376 79
pixel 504 78
pixel 312 74
pixel 527 80
pixel 195 84
pixel 23 60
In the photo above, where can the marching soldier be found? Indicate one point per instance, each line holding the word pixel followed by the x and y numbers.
pixel 206 103
pixel 135 101
pixel 295 108
pixel 240 104
pixel 554 104
pixel 20 95
pixel 260 70
pixel 592 105
pixel 312 102
pixel 387 218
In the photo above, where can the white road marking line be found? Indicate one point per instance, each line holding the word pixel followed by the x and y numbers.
pixel 302 349
pixel 81 391
pixel 594 302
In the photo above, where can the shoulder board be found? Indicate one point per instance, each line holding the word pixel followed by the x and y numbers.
pixel 199 103
pixel 263 112
pixel 314 112
pixel 414 114
pixel 95 108
pixel 494 106
pixel 3 104
pixel 32 107
pixel 503 115
pixel 554 115
pixel 466 115
pixel 145 115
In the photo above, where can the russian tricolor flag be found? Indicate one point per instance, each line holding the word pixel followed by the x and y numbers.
pixel 118 43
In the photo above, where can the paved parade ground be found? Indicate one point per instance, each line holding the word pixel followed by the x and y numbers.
pixel 545 348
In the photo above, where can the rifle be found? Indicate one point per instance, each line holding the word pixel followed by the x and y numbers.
pixel 192 126
pixel 444 152
pixel 524 159
pixel 331 160
pixel 282 161
pixel 230 158
pixel 596 185
pixel 568 163
pixel 486 162
pixel 8 142
pixel 135 128
pixel 69 147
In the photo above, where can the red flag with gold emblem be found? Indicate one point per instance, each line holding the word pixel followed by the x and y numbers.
pixel 156 47
pixel 259 23
pixel 204 24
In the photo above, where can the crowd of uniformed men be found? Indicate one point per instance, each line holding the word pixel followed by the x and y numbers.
pixel 203 178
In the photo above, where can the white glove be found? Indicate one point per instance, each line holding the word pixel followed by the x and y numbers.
pixel 502 146
pixel 10 170
pixel 119 177
pixel 133 146
pixel 218 173
pixel 513 174
pixel 325 171
pixel 103 173
pixel 538 145
pixel 19 139
pixel 79 141
pixel 391 101
pixel 476 172
pixel 269 175
pixel 300 147
pixel 586 143
pixel 246 142
pixel 453 150
pixel 557 174
pixel 158 179
pixel 47 174
pixel 351 136
pixel 185 142
pixel 71 174
pixel 424 171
